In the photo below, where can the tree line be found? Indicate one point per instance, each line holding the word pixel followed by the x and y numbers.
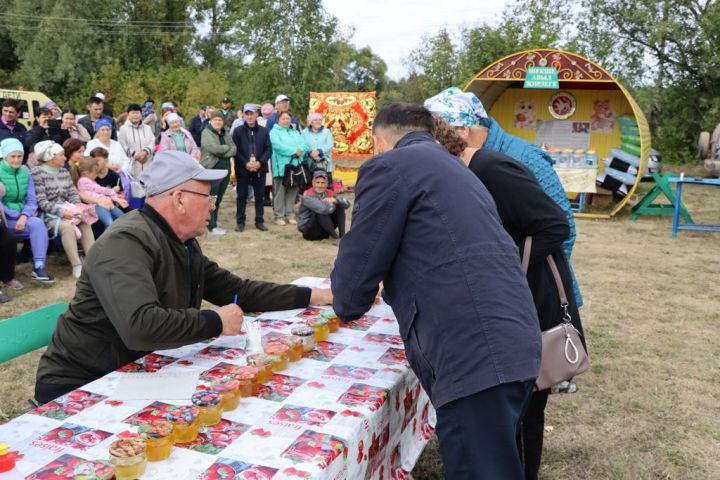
pixel 197 51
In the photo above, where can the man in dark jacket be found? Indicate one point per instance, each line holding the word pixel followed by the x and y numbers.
pixel 144 280
pixel 9 126
pixel 251 165
pixel 95 107
pixel 197 124
pixel 428 229
pixel 322 214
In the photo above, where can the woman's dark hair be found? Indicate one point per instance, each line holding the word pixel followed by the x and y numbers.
pixel 44 111
pixel 72 145
pixel 284 112
pixel 99 152
pixel 446 135
pixel 69 110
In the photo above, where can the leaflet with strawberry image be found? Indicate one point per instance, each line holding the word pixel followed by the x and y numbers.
pixel 315 447
pixel 384 339
pixel 75 436
pixel 67 467
pixel 271 337
pixel 229 469
pixel 325 351
pixel 295 416
pixel 220 371
pixel 214 439
pixel 310 312
pixel 154 411
pixel 151 362
pixel 393 356
pixel 362 394
pixel 69 404
pixel 279 387
pixel 362 323
pixel 348 372
pixel 275 324
pixel 221 353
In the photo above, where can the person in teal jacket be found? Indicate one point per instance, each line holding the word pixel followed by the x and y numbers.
pixel 288 147
pixel 320 143
pixel 465 111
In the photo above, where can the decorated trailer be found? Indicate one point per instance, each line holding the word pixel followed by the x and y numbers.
pixel 585 119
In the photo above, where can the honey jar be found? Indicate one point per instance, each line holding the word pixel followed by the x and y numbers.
pixel 128 457
pixel 263 363
pixel 306 336
pixel 295 347
pixel 185 421
pixel 229 390
pixel 209 405
pixel 321 329
pixel 158 436
pixel 248 379
pixel 279 352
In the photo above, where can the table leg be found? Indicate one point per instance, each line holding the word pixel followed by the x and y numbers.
pixel 676 211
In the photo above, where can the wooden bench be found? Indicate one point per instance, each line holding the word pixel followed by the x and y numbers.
pixel 29 331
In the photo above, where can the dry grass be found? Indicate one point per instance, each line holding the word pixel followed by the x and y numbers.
pixel 648 409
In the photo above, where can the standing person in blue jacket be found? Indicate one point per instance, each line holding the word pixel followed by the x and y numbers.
pixel 197 124
pixel 428 229
pixel 320 141
pixel 251 165
pixel 282 104
pixel 288 148
pixel 465 112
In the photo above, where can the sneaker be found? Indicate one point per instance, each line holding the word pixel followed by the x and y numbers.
pixel 76 271
pixel 240 227
pixel 217 231
pixel 280 221
pixel 14 284
pixel 42 276
pixel 261 227
pixel 292 221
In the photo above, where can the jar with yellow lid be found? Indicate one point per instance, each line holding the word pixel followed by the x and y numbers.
pixel 321 328
pixel 263 363
pixel 128 457
pixel 279 352
pixel 306 336
pixel 185 421
pixel 229 390
pixel 209 405
pixel 248 379
pixel 158 436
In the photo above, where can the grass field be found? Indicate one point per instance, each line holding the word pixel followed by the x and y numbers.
pixel 649 407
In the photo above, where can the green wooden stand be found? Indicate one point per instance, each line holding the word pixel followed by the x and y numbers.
pixel 662 186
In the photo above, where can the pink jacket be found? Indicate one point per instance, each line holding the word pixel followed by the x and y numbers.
pixel 167 143
pixel 89 187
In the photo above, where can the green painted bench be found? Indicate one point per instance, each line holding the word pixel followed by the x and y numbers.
pixel 29 331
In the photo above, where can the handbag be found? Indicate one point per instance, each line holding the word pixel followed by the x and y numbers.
pixel 297 176
pixel 563 355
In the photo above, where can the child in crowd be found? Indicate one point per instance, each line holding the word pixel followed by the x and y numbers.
pixel 84 172
pixel 105 177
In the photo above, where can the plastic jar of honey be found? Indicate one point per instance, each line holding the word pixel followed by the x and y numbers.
pixel 279 352
pixel 158 437
pixel 229 390
pixel 306 336
pixel 209 405
pixel 321 328
pixel 248 379
pixel 128 457
pixel 263 363
pixel 185 421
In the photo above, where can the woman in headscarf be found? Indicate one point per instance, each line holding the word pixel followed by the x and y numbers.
pixel 465 112
pixel 118 160
pixel 525 211
pixel 320 142
pixel 57 199
pixel 177 138
pixel 20 209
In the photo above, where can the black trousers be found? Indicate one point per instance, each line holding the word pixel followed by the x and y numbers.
pixel 323 226
pixel 530 437
pixel 47 392
pixel 477 433
pixel 8 251
pixel 258 186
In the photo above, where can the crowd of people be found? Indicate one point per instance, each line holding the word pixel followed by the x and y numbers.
pixel 69 177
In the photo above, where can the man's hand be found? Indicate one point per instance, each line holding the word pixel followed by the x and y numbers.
pixel 20 225
pixel 321 296
pixel 141 156
pixel 232 319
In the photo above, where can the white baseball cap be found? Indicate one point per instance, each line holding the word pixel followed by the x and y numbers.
pixel 282 98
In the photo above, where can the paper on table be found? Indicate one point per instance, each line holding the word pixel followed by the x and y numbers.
pixel 168 385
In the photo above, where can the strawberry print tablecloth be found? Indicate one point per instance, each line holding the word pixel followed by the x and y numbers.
pixel 350 409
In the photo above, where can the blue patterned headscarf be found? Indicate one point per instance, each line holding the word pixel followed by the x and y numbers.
pixel 458 108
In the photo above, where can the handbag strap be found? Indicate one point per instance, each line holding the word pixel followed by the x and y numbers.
pixel 560 287
pixel 526 253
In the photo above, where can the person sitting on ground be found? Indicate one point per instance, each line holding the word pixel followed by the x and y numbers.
pixel 320 142
pixel 465 112
pixel 177 138
pixel 322 214
pixel 95 107
pixel 70 125
pixel 8 251
pixel 119 161
pixel 84 172
pixel 20 208
pixel 59 202
pixel 142 288
pixel 217 150
pixel 251 166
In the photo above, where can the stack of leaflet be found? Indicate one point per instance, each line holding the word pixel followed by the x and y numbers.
pixel 621 168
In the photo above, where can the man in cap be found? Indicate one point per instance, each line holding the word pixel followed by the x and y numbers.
pixel 322 213
pixel 95 108
pixel 228 112
pixel 143 282
pixel 282 104
pixel 251 165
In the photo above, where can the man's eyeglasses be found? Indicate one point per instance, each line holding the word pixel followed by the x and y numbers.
pixel 213 198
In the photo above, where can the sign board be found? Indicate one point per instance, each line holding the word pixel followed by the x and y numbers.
pixel 541 77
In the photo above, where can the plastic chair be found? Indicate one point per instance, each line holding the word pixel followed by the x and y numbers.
pixel 29 331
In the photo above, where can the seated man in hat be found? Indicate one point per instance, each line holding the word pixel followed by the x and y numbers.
pixel 322 214
pixel 143 283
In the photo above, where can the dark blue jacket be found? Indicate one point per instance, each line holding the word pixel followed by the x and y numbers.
pixel 196 127
pixel 251 140
pixel 427 227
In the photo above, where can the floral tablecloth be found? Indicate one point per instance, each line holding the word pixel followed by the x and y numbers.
pixel 350 409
